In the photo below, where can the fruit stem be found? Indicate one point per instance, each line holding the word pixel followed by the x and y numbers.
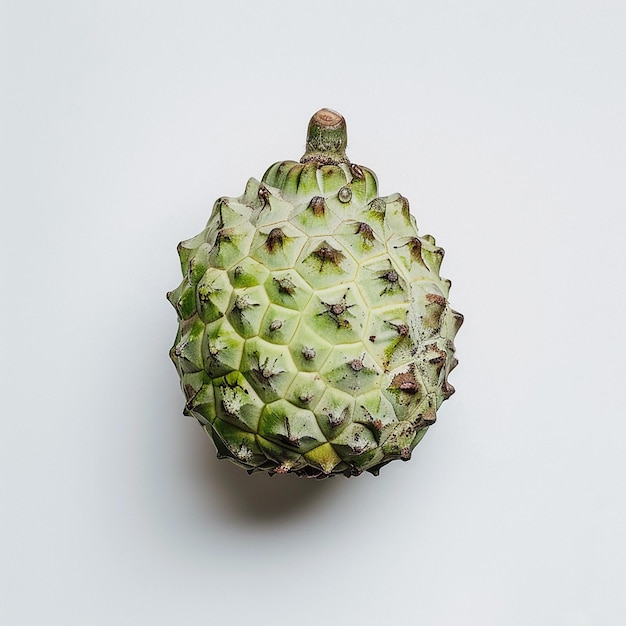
pixel 326 139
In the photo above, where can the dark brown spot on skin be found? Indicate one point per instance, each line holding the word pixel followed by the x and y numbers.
pixel 276 325
pixel 318 206
pixel 458 320
pixel 356 446
pixel 391 279
pixel 223 235
pixel 406 382
pixel 399 343
pixel 221 203
pixel 190 392
pixel 365 230
pixel 435 298
pixel 372 338
pixel 405 208
pixel 415 250
pixel 447 390
pixel 275 240
pixel 335 419
pixel 436 356
pixel 326 254
pixel 433 312
pixel 264 195
pixel 357 172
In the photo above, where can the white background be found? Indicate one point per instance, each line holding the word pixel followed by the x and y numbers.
pixel 504 123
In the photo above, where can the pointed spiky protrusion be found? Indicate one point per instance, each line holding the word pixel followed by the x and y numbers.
pixel 285 285
pixel 276 325
pixel 275 240
pixel 328 254
pixel 336 418
pixel 337 311
pixel 357 172
pixel 284 468
pixel 406 382
pixel 308 353
pixel 365 230
pixel 264 196
pixel 317 206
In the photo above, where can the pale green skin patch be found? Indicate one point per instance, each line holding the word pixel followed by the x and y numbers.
pixel 315 335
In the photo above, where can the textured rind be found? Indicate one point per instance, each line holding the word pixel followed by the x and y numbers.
pixel 315 335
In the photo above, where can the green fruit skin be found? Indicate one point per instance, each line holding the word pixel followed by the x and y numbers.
pixel 315 334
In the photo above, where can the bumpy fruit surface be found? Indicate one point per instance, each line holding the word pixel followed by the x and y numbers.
pixel 315 334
